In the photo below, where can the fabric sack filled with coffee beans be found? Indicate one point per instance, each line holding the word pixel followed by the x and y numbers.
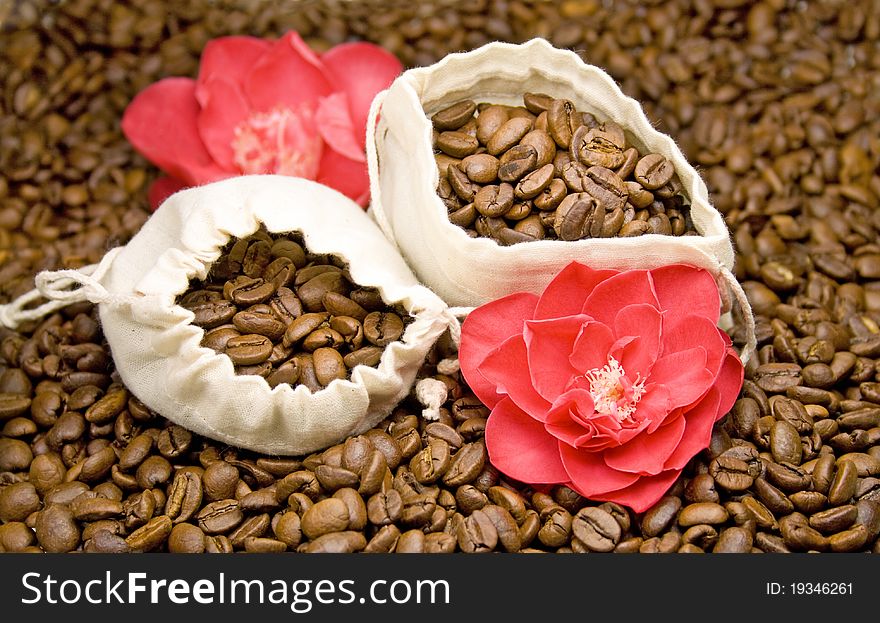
pixel 157 347
pixel 467 269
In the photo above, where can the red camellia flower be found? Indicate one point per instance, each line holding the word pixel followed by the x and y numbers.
pixel 608 381
pixel 262 106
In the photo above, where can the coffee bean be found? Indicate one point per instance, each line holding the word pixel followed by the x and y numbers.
pixel 731 473
pixel 184 496
pixel 150 536
pixel 326 516
pixel 477 533
pixel 843 486
pixel 660 516
pixel 186 538
pixel 597 529
pixel 834 519
pixel 785 443
pixel 56 529
pixel 336 543
pixel 653 171
pixel 702 513
pixel 455 116
pixel 220 516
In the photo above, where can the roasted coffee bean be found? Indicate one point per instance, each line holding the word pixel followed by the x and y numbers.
pixel 326 516
pixel 702 513
pixel 701 488
pixel 843 486
pixel 220 516
pixel 731 473
pixel 733 541
pixel 477 533
pixel 788 477
pixel 150 536
pixel 455 116
pixel 17 501
pixel 596 529
pixel 56 529
pixel 834 519
pixel 184 496
pixel 186 538
pixel 660 516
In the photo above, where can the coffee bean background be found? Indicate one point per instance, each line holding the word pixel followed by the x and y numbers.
pixel 775 101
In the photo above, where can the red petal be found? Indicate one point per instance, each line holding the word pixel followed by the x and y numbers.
pixel 520 447
pixel 360 70
pixel 591 347
pixel 647 453
pixel 162 188
pixel 618 291
pixel 566 293
pixel 729 381
pixel 223 108
pixel 654 406
pixel 507 368
pixel 590 474
pixel 230 58
pixel 289 74
pixel 345 175
pixel 484 330
pixel 699 420
pixel 550 343
pixel 334 124
pixel 569 427
pixel 686 290
pixel 644 493
pixel 685 376
pixel 644 321
pixel 161 123
pixel 686 332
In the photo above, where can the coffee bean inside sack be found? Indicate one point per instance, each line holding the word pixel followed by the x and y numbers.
pixel 546 171
pixel 288 315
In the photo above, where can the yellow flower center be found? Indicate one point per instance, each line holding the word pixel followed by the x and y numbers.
pixel 613 393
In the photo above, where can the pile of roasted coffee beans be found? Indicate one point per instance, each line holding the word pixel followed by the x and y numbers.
pixel 774 101
pixel 545 170
pixel 288 315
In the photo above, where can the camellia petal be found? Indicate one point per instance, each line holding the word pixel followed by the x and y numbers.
pixel 230 58
pixel 686 290
pixel 568 418
pixel 687 332
pixel 590 474
pixel 644 493
pixel 162 188
pixel 483 331
pixel 566 293
pixel 618 291
pixel 333 121
pixel 729 381
pixel 549 344
pixel 519 446
pixel 345 175
pixel 644 321
pixel 289 74
pixel 161 123
pixel 699 420
pixel 591 347
pixel 360 70
pixel 503 367
pixel 647 453
pixel 686 372
pixel 223 109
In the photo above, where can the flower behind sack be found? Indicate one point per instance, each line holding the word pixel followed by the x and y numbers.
pixel 609 382
pixel 262 106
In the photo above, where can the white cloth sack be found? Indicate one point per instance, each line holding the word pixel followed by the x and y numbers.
pixel 469 271
pixel 156 348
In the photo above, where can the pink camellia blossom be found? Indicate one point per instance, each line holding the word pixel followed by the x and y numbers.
pixel 262 106
pixel 608 382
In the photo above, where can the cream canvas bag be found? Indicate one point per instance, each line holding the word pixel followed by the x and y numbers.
pixel 156 348
pixel 468 271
